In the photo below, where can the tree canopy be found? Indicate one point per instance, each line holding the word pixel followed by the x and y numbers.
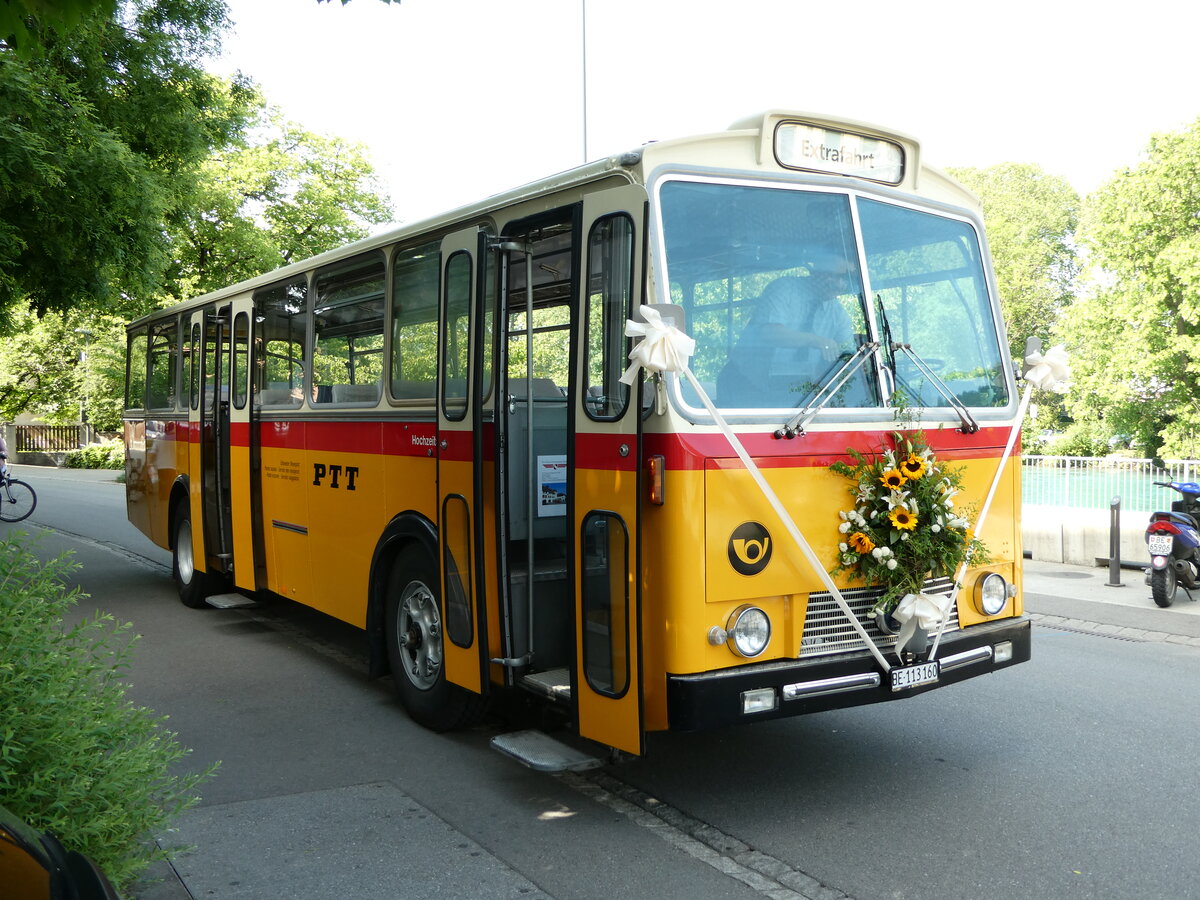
pixel 1031 220
pixel 101 136
pixel 1134 335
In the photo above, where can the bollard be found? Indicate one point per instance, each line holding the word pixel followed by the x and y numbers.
pixel 1114 544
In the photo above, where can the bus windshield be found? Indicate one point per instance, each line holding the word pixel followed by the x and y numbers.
pixel 776 299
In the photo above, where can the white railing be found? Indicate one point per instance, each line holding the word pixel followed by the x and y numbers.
pixel 1089 482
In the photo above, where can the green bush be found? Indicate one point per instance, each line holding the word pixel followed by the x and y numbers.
pixel 77 757
pixel 109 455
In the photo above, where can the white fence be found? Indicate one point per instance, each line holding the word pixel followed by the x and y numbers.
pixel 1087 482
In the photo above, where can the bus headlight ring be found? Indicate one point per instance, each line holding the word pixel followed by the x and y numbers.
pixel 749 631
pixel 991 594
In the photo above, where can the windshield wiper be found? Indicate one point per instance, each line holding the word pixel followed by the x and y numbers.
pixel 969 425
pixel 827 390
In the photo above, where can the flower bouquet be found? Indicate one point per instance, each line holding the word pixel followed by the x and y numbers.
pixel 903 527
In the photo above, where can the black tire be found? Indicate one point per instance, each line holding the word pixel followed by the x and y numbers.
pixel 1163 583
pixel 192 585
pixel 17 501
pixel 414 638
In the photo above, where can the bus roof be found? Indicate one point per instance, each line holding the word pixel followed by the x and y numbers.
pixel 776 142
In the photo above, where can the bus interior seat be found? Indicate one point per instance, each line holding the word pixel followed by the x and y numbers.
pixel 356 393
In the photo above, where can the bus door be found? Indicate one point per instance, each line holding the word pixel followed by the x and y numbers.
pixel 536 266
pixel 459 452
pixel 214 424
pixel 607 484
pixel 225 442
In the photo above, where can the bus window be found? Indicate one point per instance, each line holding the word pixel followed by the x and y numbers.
pixel 164 368
pixel 135 379
pixel 194 377
pixel 279 343
pixel 774 298
pixel 241 349
pixel 609 292
pixel 927 277
pixel 414 324
pixel 347 361
pixel 456 339
pixel 606 603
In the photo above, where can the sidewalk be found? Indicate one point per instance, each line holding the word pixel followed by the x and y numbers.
pixel 1079 597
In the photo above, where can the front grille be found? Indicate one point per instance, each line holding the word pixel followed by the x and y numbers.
pixel 826 629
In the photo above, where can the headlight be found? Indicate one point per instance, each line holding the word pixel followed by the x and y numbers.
pixel 749 631
pixel 991 594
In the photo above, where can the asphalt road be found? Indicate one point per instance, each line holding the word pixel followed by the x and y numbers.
pixel 1068 777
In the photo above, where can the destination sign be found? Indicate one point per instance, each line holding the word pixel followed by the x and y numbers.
pixel 799 145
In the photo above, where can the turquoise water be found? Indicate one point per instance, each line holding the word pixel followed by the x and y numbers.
pixel 1079 483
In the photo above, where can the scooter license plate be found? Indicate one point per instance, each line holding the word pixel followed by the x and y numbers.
pixel 1160 544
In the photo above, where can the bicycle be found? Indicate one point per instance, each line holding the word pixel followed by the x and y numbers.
pixel 17 499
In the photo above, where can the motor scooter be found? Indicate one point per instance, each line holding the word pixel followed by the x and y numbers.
pixel 1173 539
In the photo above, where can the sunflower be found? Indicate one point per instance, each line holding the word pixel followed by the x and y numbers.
pixel 861 543
pixel 903 519
pixel 892 479
pixel 913 467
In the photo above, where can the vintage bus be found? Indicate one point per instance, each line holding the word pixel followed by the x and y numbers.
pixel 425 434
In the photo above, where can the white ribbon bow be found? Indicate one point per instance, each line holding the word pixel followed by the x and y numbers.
pixel 662 348
pixel 924 611
pixel 1049 370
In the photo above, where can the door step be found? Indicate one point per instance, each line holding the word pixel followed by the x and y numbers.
pixel 553 683
pixel 230 601
pixel 540 752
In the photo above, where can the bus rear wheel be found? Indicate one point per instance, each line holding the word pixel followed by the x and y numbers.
pixel 192 585
pixel 414 644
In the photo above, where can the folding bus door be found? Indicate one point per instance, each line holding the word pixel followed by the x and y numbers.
pixel 607 477
pixel 459 451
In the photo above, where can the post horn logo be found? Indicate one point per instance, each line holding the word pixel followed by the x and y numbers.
pixel 749 548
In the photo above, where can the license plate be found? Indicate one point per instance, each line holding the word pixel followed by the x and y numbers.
pixel 1160 544
pixel 914 676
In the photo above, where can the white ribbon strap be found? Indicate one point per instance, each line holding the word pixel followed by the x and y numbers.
pixel 664 348
pixel 1048 371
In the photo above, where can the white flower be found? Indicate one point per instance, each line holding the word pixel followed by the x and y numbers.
pixel 935 528
pixel 848 558
pixel 903 537
pixel 843 515
pixel 891 563
pixel 897 498
pixel 843 547
pixel 844 528
pixel 877 553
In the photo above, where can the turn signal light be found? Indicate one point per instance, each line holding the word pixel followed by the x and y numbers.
pixel 655 470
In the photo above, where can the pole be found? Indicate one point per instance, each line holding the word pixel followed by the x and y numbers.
pixel 583 31
pixel 1114 544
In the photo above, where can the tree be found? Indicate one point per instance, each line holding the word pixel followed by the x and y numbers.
pixel 1031 219
pixel 281 196
pixel 101 135
pixel 1134 336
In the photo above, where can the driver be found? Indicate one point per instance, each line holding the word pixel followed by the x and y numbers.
pixel 797 330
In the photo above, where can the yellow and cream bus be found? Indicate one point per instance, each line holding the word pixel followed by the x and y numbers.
pixel 425 434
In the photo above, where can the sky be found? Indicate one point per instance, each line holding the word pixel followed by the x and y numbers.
pixel 456 100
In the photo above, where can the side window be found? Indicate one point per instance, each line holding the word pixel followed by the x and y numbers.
pixel 606 638
pixel 135 371
pixel 609 305
pixel 194 368
pixel 413 365
pixel 347 360
pixel 279 344
pixel 164 365
pixel 241 350
pixel 456 339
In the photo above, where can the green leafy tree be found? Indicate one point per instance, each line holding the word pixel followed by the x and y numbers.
pixel 102 134
pixel 1134 336
pixel 1031 219
pixel 279 196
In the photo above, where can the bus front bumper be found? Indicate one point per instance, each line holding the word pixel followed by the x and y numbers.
pixel 781 688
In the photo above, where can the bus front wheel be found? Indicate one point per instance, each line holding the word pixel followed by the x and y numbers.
pixel 192 585
pixel 414 644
